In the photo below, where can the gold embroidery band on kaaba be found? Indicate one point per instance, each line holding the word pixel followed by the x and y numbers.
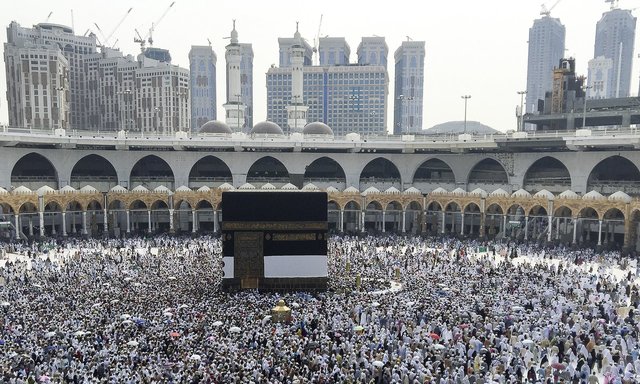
pixel 274 226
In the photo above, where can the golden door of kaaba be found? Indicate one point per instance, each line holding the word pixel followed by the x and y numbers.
pixel 249 258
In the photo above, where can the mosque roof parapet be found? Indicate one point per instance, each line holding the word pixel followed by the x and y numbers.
pixel 350 189
pixel 439 191
pixel 392 190
pixel 478 192
pixel 162 189
pixel 246 186
pixel 289 187
pixel 183 188
pixel 204 188
pixel 44 190
pixel 268 187
pixel 22 190
pixel 332 189
pixel 459 191
pixel 412 191
pixel 311 187
pixel 370 190
pixel 140 189
pixel 3 191
pixel 70 189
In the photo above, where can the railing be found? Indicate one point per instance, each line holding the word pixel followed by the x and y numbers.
pixel 449 137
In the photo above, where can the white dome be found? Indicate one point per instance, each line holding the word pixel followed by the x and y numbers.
pixel 119 189
pixel 226 187
pixel 332 189
pixel 351 189
pixel 568 194
pixel 88 189
pixel 499 192
pixel 246 186
pixel 289 187
pixel 311 187
pixel 546 194
pixel 204 188
pixel 392 190
pixel 22 189
pixel 268 187
pixel 413 191
pixel 479 192
pixel 140 188
pixel 44 190
pixel 459 191
pixel 520 193
pixel 215 126
pixel 439 191
pixel 317 128
pixel 620 196
pixel 593 195
pixel 162 189
pixel 370 190
pixel 183 188
pixel 266 128
pixel 70 189
pixel 3 191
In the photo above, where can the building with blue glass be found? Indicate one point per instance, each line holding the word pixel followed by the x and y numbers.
pixel 409 87
pixel 202 64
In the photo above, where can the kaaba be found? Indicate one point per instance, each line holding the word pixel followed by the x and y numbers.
pixel 274 241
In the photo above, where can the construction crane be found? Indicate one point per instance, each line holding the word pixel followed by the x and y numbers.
pixel 547 11
pixel 106 42
pixel 149 36
pixel 316 42
pixel 48 16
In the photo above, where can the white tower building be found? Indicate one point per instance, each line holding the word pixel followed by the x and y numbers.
pixel 234 107
pixel 296 110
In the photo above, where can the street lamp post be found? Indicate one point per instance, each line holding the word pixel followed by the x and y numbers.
pixel 584 110
pixel 466 98
pixel 521 121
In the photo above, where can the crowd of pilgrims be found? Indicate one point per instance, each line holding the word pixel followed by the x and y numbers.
pixel 153 311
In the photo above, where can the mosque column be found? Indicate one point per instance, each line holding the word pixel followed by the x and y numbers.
pixel 384 221
pixel 41 218
pixel 128 221
pixel 504 225
pixel 64 223
pixel 482 224
pixel 526 227
pixel 105 220
pixel 575 229
pixel 362 220
pixel 424 221
pixel 30 226
pixel 73 222
pixel 557 228
pixel 17 217
pixel 550 229
pixel 462 223
pixel 215 221
pixel 599 232
pixel 149 229
pixel 84 222
pixel 171 228
pixel 444 216
pixel 53 224
pixel 341 220
pixel 194 217
pixel 404 221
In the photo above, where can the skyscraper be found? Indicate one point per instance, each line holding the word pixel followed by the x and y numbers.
pixel 202 65
pixel 409 87
pixel 333 51
pixel 75 49
pixel 373 51
pixel 246 83
pixel 615 36
pixel 546 48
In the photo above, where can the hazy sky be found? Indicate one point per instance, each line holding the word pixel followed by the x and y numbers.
pixel 473 47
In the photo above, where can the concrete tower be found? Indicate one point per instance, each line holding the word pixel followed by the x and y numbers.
pixel 234 108
pixel 615 35
pixel 296 110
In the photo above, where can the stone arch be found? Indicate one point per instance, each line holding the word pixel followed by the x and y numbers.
pixel 94 170
pixel 393 216
pixel 34 171
pixel 268 169
pixel 433 218
pixel 324 172
pixel 614 173
pixel 151 171
pixel 352 216
pixel 210 171
pixel 488 171
pixel 588 225
pixel 547 173
pixel 380 173
pixel 333 215
pixel 613 228
pixel 373 216
pixel 434 170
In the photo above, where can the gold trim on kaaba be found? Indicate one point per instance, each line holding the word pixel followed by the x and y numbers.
pixel 274 225
pixel 294 237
